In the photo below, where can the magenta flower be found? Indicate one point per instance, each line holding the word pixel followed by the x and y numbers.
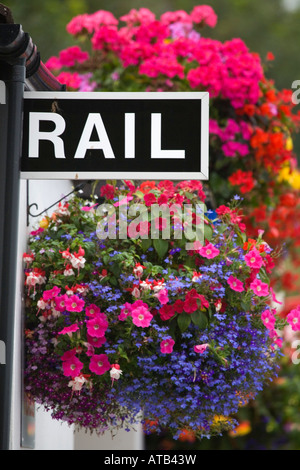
pixel 149 199
pixel 209 251
pixel 60 303
pixel 268 319
pixel 50 294
pixel 201 348
pixel 253 259
pixel 293 319
pixel 259 288
pixel 162 296
pixel 235 284
pixel 99 364
pixel 273 295
pixel 96 342
pixel 72 367
pixel 138 303
pixel 69 329
pixel 74 304
pixel 160 223
pixel 69 355
pixel 97 326
pixel 205 14
pixel 141 317
pixel 166 346
pixel 125 311
pixel 92 310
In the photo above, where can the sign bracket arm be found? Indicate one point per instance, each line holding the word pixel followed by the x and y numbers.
pixel 29 213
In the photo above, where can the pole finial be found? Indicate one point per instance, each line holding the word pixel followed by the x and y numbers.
pixel 5 15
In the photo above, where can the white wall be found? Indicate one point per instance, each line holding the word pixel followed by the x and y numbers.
pixel 50 434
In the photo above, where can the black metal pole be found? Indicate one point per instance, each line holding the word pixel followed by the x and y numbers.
pixel 14 77
pixel 20 69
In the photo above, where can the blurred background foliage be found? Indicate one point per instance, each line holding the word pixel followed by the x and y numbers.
pixel 268 25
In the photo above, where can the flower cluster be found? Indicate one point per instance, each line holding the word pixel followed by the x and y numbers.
pixel 251 122
pixel 149 322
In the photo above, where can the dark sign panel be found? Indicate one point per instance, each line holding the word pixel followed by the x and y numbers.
pixel 115 135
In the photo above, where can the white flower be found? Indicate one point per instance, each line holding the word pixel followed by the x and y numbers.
pixel 82 290
pixel 35 278
pixel 138 271
pixel 77 383
pixel 158 287
pixel 41 304
pixel 77 261
pixel 136 293
pixel 145 285
pixel 115 372
pixel 55 313
pixel 69 272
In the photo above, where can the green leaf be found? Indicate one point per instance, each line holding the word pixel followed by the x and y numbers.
pixel 246 305
pixel 113 281
pixel 208 232
pixel 172 328
pixel 161 247
pixel 264 276
pixel 199 319
pixel 183 321
pixel 146 244
pixel 140 194
pixel 189 195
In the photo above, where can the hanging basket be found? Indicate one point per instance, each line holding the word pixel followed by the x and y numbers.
pixel 129 310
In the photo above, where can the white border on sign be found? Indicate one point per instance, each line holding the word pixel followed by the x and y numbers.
pixel 69 175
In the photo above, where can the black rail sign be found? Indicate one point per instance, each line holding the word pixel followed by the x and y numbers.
pixel 128 135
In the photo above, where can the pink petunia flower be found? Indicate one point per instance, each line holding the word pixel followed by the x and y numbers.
pixel 235 284
pixel 125 311
pixel 69 355
pixel 99 364
pixel 166 346
pixel 60 303
pixel 141 317
pixel 92 310
pixel 261 289
pixel 88 208
pixel 162 296
pixel 293 319
pixel 51 294
pixel 253 259
pixel 69 329
pixel 268 319
pixel 96 342
pixel 72 367
pixel 90 349
pixel 201 348
pixel 97 326
pixel 138 303
pixel 273 295
pixel 74 304
pixel 209 251
pixel 276 339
